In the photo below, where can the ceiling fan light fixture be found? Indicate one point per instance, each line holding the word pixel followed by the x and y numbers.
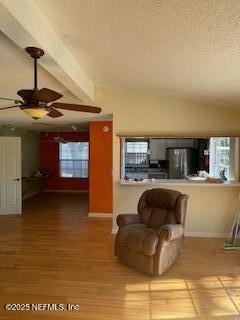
pixel 36 113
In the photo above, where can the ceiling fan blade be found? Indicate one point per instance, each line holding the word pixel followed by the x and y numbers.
pixel 53 113
pixel 9 107
pixel 26 94
pixel 47 95
pixel 15 100
pixel 76 107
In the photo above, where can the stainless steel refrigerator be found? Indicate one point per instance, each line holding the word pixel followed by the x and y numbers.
pixel 181 162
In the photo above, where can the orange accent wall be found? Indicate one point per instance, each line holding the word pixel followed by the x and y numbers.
pixel 100 179
pixel 49 153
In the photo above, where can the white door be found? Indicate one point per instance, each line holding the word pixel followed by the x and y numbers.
pixel 10 175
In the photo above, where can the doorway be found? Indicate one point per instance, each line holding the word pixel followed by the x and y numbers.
pixel 10 175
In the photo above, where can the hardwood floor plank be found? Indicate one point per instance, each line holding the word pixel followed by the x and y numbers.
pixel 54 254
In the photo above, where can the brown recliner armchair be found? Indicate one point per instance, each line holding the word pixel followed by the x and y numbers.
pixel 152 239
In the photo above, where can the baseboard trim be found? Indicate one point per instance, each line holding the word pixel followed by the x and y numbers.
pixel 100 215
pixel 65 191
pixel 190 234
pixel 10 213
pixel 31 195
pixel 114 230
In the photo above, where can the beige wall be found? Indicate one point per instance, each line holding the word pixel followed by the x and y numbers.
pixel 210 209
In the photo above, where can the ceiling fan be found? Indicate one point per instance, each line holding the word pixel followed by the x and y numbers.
pixel 60 139
pixel 35 102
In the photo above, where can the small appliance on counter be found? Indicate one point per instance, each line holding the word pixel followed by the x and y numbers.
pixel 163 164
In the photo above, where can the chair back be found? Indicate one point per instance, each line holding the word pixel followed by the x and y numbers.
pixel 158 207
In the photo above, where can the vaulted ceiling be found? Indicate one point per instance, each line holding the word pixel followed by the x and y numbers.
pixel 184 50
pixel 180 49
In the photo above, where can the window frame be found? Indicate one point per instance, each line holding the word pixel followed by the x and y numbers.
pixel 59 162
pixel 137 153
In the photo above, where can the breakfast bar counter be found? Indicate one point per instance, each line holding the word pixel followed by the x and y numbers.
pixel 176 182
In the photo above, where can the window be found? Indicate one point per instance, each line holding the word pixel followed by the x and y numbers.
pixel 220 156
pixel 73 158
pixel 136 152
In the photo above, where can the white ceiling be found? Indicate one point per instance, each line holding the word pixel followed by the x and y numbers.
pixel 187 50
pixel 16 73
pixel 180 49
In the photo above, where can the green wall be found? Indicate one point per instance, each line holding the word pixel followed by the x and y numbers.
pixel 30 154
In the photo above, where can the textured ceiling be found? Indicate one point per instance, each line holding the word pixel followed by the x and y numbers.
pixel 180 49
pixel 17 72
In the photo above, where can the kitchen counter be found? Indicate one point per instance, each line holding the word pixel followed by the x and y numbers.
pixel 177 182
pixel 139 170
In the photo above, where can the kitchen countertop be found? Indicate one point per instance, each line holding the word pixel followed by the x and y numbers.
pixel 140 170
pixel 177 182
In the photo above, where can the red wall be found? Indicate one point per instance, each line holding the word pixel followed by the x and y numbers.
pixel 100 183
pixel 50 161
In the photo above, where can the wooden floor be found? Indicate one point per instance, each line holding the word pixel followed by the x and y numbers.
pixel 54 254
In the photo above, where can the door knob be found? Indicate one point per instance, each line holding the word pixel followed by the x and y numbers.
pixel 16 179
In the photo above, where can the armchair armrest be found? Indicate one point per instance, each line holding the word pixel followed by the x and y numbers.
pixel 171 232
pixel 125 219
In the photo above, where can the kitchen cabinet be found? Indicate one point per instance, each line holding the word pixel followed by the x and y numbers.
pixel 180 143
pixel 187 143
pixel 171 143
pixel 153 146
pixel 157 149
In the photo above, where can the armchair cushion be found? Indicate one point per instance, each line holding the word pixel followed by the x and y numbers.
pixel 138 238
pixel 171 232
pixel 125 219
pixel 123 233
pixel 143 241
